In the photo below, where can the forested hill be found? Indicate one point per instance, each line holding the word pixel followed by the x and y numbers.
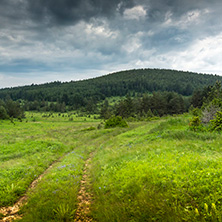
pixel 78 93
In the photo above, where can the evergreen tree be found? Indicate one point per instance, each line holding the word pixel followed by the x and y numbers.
pixel 105 112
pixel 3 113
pixel 13 109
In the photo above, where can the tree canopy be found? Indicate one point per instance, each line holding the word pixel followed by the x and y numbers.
pixel 88 92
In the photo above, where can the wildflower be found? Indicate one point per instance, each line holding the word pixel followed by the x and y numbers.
pixel 60 167
pixel 213 206
pixel 206 207
pixel 197 212
pixel 100 188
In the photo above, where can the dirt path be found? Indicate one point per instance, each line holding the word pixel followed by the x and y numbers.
pixel 12 212
pixel 84 196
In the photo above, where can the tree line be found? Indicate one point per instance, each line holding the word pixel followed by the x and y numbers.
pixel 78 94
pixel 144 92
pixel 157 104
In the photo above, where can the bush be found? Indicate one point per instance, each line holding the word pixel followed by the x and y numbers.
pixel 209 113
pixel 216 123
pixel 115 121
pixel 195 123
pixel 195 112
pixel 89 128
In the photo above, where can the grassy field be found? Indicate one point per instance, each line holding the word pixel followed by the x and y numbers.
pixel 29 147
pixel 150 171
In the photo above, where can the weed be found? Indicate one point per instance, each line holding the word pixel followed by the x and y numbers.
pixel 64 213
pixel 89 128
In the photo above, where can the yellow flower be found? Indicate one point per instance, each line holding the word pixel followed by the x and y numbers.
pixel 206 207
pixel 213 207
pixel 197 212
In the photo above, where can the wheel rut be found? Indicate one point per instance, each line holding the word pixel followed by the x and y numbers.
pixel 12 212
pixel 84 196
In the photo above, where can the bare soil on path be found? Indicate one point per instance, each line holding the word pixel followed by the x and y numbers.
pixel 12 212
pixel 84 196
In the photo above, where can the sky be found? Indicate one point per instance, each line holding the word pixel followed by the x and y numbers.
pixel 61 40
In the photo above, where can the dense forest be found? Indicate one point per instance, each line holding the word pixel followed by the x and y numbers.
pixel 159 91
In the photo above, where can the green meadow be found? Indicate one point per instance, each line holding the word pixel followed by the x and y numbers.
pixel 155 170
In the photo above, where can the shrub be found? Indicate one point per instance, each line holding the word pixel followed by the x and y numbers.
pixel 89 128
pixel 209 113
pixel 195 123
pixel 196 112
pixel 115 121
pixel 216 123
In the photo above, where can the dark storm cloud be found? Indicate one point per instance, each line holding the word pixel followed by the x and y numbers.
pixel 80 36
pixel 69 12
pixel 72 11
pixel 179 7
pixel 11 13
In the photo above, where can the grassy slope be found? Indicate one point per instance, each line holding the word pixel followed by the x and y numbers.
pixel 154 171
pixel 55 197
pixel 28 148
pixel 158 172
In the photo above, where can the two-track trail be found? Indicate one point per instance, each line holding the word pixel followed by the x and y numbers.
pixel 84 196
pixel 12 212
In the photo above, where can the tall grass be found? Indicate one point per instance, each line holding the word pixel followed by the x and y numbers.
pixel 161 175
pixel 151 171
pixel 54 198
pixel 29 147
pixel 37 144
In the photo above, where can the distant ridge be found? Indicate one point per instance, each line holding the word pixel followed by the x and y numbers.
pixel 121 83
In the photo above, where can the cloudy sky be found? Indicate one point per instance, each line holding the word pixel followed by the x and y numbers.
pixel 49 40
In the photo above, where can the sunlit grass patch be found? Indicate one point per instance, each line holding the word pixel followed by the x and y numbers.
pixel 28 148
pixel 151 171
pixel 162 179
pixel 21 163
pixel 59 117
pixel 55 197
